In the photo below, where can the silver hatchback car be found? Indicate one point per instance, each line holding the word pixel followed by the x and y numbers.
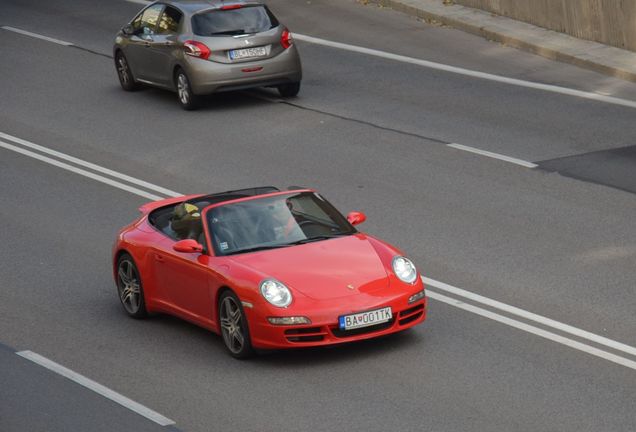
pixel 197 47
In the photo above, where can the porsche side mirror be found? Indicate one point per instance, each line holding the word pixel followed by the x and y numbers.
pixel 187 246
pixel 356 218
pixel 127 30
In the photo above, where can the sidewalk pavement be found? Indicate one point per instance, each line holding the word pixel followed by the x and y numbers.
pixel 601 58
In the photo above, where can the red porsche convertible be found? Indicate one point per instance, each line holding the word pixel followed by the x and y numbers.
pixel 266 269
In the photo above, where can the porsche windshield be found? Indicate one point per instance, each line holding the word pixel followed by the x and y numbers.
pixel 273 222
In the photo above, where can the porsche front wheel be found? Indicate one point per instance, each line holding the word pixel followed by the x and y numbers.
pixel 234 328
pixel 131 293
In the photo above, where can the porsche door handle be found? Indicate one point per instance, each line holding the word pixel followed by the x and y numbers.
pixel 160 258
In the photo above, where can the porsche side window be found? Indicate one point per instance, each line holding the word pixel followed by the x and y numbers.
pixel 169 22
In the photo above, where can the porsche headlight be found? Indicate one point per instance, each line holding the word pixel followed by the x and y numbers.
pixel 276 293
pixel 404 269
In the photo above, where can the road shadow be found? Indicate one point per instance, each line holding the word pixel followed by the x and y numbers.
pixel 224 101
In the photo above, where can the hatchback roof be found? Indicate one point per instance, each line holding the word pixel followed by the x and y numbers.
pixel 194 6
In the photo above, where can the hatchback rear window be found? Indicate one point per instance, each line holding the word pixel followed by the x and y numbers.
pixel 247 19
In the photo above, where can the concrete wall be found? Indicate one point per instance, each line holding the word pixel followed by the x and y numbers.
pixel 612 22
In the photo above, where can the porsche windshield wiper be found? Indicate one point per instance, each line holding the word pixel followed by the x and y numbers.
pixel 317 238
pixel 257 248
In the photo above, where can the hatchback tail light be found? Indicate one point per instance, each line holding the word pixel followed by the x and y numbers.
pixel 196 49
pixel 286 39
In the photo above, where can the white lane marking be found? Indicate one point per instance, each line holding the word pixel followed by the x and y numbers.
pixel 534 330
pixel 90 165
pixel 468 72
pixel 37 36
pixel 601 340
pixel 493 155
pixel 80 171
pixel 97 388
pixel 428 281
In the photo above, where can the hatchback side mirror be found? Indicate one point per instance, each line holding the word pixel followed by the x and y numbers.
pixel 127 30
pixel 356 218
pixel 188 246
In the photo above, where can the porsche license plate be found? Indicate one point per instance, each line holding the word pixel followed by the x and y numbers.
pixel 365 319
pixel 248 52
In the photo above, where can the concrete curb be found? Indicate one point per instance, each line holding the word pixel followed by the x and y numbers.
pixel 546 43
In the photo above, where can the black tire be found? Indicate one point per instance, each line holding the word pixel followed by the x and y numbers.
pixel 126 78
pixel 187 99
pixel 289 90
pixel 234 332
pixel 129 288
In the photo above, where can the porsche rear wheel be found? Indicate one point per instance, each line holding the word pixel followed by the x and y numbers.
pixel 234 329
pixel 131 293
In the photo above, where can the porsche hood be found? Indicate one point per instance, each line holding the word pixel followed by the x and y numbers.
pixel 322 270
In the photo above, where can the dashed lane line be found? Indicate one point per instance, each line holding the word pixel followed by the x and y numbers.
pixel 37 36
pixel 505 158
pixel 96 387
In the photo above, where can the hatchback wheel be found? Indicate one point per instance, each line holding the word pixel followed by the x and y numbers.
pixel 124 73
pixel 234 328
pixel 187 99
pixel 289 90
pixel 131 293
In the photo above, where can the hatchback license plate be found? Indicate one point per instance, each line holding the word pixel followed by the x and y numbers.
pixel 248 53
pixel 365 319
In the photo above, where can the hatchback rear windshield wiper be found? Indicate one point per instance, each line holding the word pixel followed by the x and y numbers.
pixel 228 32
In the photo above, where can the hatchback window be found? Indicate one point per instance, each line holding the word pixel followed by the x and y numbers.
pixel 247 19
pixel 169 22
pixel 147 21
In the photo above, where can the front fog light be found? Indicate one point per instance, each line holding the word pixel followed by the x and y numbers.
pixel 289 320
pixel 417 296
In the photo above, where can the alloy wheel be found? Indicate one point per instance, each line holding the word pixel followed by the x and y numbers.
pixel 129 287
pixel 122 70
pixel 231 325
pixel 183 89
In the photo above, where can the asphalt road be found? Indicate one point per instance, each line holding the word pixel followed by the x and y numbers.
pixel 370 134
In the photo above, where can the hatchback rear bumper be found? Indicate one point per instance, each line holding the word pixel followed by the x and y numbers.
pixel 210 77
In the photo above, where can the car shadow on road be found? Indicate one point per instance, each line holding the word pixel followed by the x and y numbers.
pixel 347 352
pixel 233 100
pixel 198 340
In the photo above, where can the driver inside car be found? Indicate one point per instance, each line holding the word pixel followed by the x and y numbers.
pixel 186 221
pixel 280 224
